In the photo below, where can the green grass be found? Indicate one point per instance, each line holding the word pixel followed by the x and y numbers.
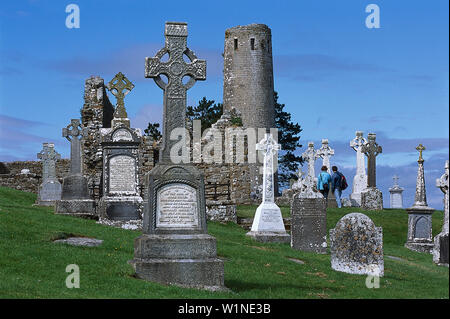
pixel 31 266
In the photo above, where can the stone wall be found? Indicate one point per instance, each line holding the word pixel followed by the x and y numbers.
pixel 30 182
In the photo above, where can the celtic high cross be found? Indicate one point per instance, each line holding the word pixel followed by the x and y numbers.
pixel 371 149
pixel 326 152
pixel 120 86
pixel 356 144
pixel 270 148
pixel 310 156
pixel 48 155
pixel 175 69
pixel 73 134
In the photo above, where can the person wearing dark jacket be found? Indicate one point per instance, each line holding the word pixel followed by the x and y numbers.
pixel 336 179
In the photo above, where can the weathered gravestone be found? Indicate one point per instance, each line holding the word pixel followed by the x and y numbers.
pixel 360 179
pixel 325 151
pixel 175 247
pixel 50 189
pixel 308 220
pixel 268 223
pixel 396 194
pixel 75 199
pixel 441 242
pixel 310 156
pixel 420 237
pixel 371 197
pixel 120 144
pixel 356 246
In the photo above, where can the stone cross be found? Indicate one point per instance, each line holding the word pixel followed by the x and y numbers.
pixel 175 69
pixel 443 184
pixel 421 194
pixel 371 149
pixel 420 148
pixel 357 144
pixel 73 134
pixel 120 86
pixel 48 156
pixel 270 148
pixel 310 156
pixel 395 178
pixel 325 152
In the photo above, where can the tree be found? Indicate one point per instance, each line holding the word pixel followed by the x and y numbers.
pixel 288 138
pixel 153 131
pixel 207 111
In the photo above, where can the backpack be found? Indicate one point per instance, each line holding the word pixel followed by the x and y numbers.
pixel 344 184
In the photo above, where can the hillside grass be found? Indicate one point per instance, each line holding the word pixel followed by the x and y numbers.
pixel 32 266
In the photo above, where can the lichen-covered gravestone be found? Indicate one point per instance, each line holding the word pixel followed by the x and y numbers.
pixel 357 246
pixel 75 199
pixel 420 237
pixel 175 247
pixel 441 241
pixel 50 189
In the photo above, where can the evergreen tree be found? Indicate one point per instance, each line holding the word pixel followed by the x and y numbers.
pixel 288 138
pixel 153 131
pixel 207 111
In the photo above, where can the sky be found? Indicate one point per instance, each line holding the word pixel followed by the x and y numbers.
pixel 335 75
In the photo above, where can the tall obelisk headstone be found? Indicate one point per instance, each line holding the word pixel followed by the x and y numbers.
pixel 121 200
pixel 396 192
pixel 419 215
pixel 268 223
pixel 75 199
pixel 360 179
pixel 175 247
pixel 50 188
pixel 441 241
pixel 371 197
pixel 325 151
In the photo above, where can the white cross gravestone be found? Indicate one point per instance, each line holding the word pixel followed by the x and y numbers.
pixel 268 223
pixel 441 242
pixel 360 179
pixel 310 156
pixel 50 189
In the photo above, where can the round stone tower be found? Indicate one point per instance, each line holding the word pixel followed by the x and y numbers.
pixel 248 74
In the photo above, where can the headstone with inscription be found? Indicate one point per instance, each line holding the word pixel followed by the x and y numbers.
pixel 50 189
pixel 175 247
pixel 268 223
pixel 420 237
pixel 356 246
pixel 440 250
pixel 360 179
pixel 75 199
pixel 396 194
pixel 371 197
pixel 120 144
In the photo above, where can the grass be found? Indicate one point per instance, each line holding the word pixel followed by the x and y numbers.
pixel 31 266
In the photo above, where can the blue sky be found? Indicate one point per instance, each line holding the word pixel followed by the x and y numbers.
pixel 335 75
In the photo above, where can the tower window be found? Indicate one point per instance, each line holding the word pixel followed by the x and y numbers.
pixel 235 44
pixel 252 43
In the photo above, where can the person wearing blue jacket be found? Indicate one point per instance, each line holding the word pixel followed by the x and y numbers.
pixel 336 179
pixel 323 182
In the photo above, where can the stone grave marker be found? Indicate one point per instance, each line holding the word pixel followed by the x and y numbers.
pixel 371 197
pixel 360 179
pixel 419 215
pixel 356 246
pixel 396 192
pixel 441 242
pixel 310 156
pixel 50 189
pixel 75 199
pixel 175 247
pixel 268 223
pixel 121 198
